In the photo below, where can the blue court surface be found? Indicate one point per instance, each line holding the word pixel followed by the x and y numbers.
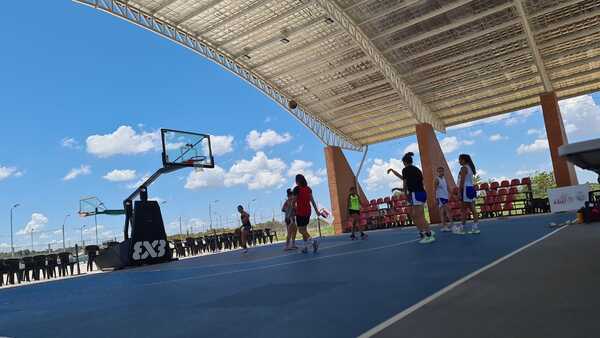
pixel 342 291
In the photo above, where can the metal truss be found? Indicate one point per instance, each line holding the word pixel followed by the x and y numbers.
pixel 145 20
pixel 416 106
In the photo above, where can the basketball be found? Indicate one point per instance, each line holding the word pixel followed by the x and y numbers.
pixel 292 104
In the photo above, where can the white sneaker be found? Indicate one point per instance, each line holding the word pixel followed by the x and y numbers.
pixel 445 229
pixel 475 229
pixel 458 230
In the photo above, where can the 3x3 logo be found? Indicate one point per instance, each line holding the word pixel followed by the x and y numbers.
pixel 146 249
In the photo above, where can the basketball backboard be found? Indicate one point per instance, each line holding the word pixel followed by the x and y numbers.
pixel 90 206
pixel 186 149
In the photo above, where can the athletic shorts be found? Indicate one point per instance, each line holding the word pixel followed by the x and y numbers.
pixel 418 198
pixel 302 221
pixel 469 194
pixel 442 202
pixel 353 212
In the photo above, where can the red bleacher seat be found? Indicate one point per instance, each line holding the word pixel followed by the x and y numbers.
pixel 402 197
pixel 492 193
pixel 508 206
pixel 514 182
pixel 386 200
pixel 394 198
pixel 497 207
pixel 513 190
pixel 502 191
pixel 505 184
pixel 379 200
pixel 373 202
pixel 455 191
pixel 526 181
pixel 494 185
pixel 510 198
pixel 363 222
pixel 484 186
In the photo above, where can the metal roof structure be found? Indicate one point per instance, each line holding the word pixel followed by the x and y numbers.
pixel 367 71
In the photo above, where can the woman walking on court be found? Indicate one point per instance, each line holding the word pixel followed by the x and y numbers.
pixel 290 221
pixel 245 228
pixel 354 213
pixel 412 178
pixel 304 199
pixel 468 194
pixel 441 198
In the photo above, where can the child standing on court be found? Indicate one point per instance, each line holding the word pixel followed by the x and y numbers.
pixel 245 228
pixel 468 194
pixel 441 198
pixel 354 213
pixel 304 199
pixel 290 221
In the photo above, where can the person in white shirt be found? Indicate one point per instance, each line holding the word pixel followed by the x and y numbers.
pixel 467 193
pixel 442 197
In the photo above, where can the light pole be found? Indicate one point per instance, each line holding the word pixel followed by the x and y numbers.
pixel 63 231
pixel 31 232
pixel 12 246
pixel 249 203
pixel 210 211
pixel 180 230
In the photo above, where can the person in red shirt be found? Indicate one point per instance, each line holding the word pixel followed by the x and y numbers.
pixel 304 199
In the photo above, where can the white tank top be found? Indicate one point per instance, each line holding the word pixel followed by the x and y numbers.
pixel 468 177
pixel 442 188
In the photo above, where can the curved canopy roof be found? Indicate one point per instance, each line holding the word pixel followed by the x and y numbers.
pixel 366 71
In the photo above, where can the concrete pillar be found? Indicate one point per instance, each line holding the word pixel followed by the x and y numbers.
pixel 340 179
pixel 432 157
pixel 564 172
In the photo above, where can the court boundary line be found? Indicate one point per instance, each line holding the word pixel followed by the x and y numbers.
pixel 265 267
pixel 406 312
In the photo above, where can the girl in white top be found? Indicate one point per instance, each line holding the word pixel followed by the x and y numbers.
pixel 441 198
pixel 468 194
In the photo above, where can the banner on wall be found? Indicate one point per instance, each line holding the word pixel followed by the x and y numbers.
pixel 568 198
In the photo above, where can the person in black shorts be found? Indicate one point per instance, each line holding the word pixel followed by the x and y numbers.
pixel 245 228
pixel 354 213
pixel 412 179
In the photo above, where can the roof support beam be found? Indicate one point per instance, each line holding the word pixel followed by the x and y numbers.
pixel 196 12
pixel 374 126
pixel 299 50
pixel 277 38
pixel 233 17
pixel 427 16
pixel 325 100
pixel 537 57
pixel 267 23
pixel 361 101
pixel 415 105
pixel 347 116
pixel 446 28
pixel 381 129
pixel 122 10
pixel 309 75
pixel 162 6
pixel 342 80
pixel 387 11
pixel 295 67
pixel 392 133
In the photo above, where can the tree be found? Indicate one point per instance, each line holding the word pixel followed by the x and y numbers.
pixel 541 182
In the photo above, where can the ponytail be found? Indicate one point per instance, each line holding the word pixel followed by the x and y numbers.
pixel 469 161
pixel 408 158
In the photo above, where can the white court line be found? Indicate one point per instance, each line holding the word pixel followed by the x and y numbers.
pixel 377 329
pixel 284 263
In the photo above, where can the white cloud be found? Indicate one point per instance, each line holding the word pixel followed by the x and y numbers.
pixel 69 142
pixel 498 137
pixel 221 145
pixel 450 144
pixel 214 177
pixel 537 146
pixel 6 172
pixel 299 149
pixel 120 175
pixel 534 131
pixel 468 142
pixel 413 148
pixel 377 176
pixel 305 168
pixel 508 118
pixel 36 223
pixel 586 176
pixel 269 138
pixel 76 172
pixel 123 141
pixel 476 132
pixel 258 173
pixel 581 116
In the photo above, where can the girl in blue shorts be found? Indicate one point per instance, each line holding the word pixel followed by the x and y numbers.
pixel 467 193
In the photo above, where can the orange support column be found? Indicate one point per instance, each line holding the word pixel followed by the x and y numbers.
pixel 341 179
pixel 564 172
pixel 432 157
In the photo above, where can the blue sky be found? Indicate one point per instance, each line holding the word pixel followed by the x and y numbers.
pixel 83 93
